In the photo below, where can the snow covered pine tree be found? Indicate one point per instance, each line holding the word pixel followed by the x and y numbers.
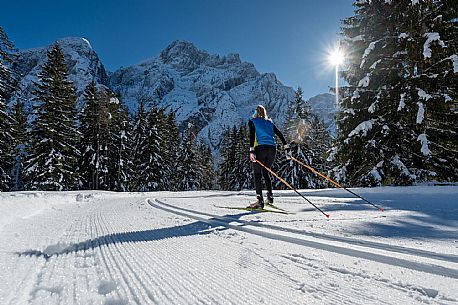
pixel 19 135
pixel 6 86
pixel 53 154
pixel 119 140
pixel 398 67
pixel 94 129
pixel 187 172
pixel 228 159
pixel 309 141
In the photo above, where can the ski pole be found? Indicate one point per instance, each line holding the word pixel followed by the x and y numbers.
pixel 292 188
pixel 335 183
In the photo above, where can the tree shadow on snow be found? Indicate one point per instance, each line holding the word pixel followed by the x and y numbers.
pixel 190 229
pixel 432 214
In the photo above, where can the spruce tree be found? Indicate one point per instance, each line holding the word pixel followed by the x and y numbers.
pixel 7 56
pixel 430 39
pixel 228 159
pixel 207 172
pixel 53 155
pixel 171 136
pixel 319 143
pixel 297 112
pixel 400 76
pixel 295 126
pixel 242 172
pixel 19 135
pixel 309 142
pixel 372 77
pixel 223 171
pixel 139 149
pixel 118 144
pixel 163 133
pixel 153 173
pixel 94 122
pixel 235 168
pixel 187 171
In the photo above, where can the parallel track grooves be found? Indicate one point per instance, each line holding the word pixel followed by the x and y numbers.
pixel 390 260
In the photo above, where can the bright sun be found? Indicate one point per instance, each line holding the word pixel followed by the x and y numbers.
pixel 336 57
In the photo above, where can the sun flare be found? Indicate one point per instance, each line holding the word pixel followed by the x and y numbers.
pixel 336 57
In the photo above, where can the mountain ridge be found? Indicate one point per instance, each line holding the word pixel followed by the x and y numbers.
pixel 211 92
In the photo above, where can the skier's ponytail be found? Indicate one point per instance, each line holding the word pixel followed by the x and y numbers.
pixel 261 112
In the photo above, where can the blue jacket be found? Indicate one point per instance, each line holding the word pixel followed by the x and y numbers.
pixel 262 132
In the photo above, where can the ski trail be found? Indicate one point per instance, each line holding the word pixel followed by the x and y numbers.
pixel 119 250
pixel 27 280
pixel 359 280
pixel 46 286
pixel 363 243
pixel 138 292
pixel 107 260
pixel 133 262
pixel 323 288
pixel 70 277
pixel 389 260
pixel 48 289
pixel 128 248
pixel 35 276
pixel 187 290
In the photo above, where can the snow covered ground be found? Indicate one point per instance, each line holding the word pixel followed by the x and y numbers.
pixel 178 248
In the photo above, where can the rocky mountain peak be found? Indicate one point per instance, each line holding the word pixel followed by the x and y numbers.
pixel 82 62
pixel 211 92
pixel 75 43
pixel 183 54
pixel 324 105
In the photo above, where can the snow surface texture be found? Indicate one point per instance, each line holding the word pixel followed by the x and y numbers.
pixel 209 91
pixel 178 248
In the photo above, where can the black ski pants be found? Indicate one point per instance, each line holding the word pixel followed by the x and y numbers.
pixel 266 155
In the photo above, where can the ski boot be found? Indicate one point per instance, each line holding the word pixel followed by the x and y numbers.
pixel 270 199
pixel 270 202
pixel 259 204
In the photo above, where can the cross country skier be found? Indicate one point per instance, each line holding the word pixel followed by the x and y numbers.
pixel 263 148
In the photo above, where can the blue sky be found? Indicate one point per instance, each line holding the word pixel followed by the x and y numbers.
pixel 286 37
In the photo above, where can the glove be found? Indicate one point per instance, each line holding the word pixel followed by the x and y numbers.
pixel 288 153
pixel 252 156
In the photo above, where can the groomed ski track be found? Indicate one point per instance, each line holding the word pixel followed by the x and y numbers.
pixel 321 242
pixel 116 249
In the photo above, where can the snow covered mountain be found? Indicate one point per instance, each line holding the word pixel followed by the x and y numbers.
pixel 82 61
pixel 209 91
pixel 324 105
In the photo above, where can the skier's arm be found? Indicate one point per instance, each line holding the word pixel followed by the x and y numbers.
pixel 252 133
pixel 280 135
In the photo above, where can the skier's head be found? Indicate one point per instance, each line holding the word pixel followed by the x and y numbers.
pixel 260 112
